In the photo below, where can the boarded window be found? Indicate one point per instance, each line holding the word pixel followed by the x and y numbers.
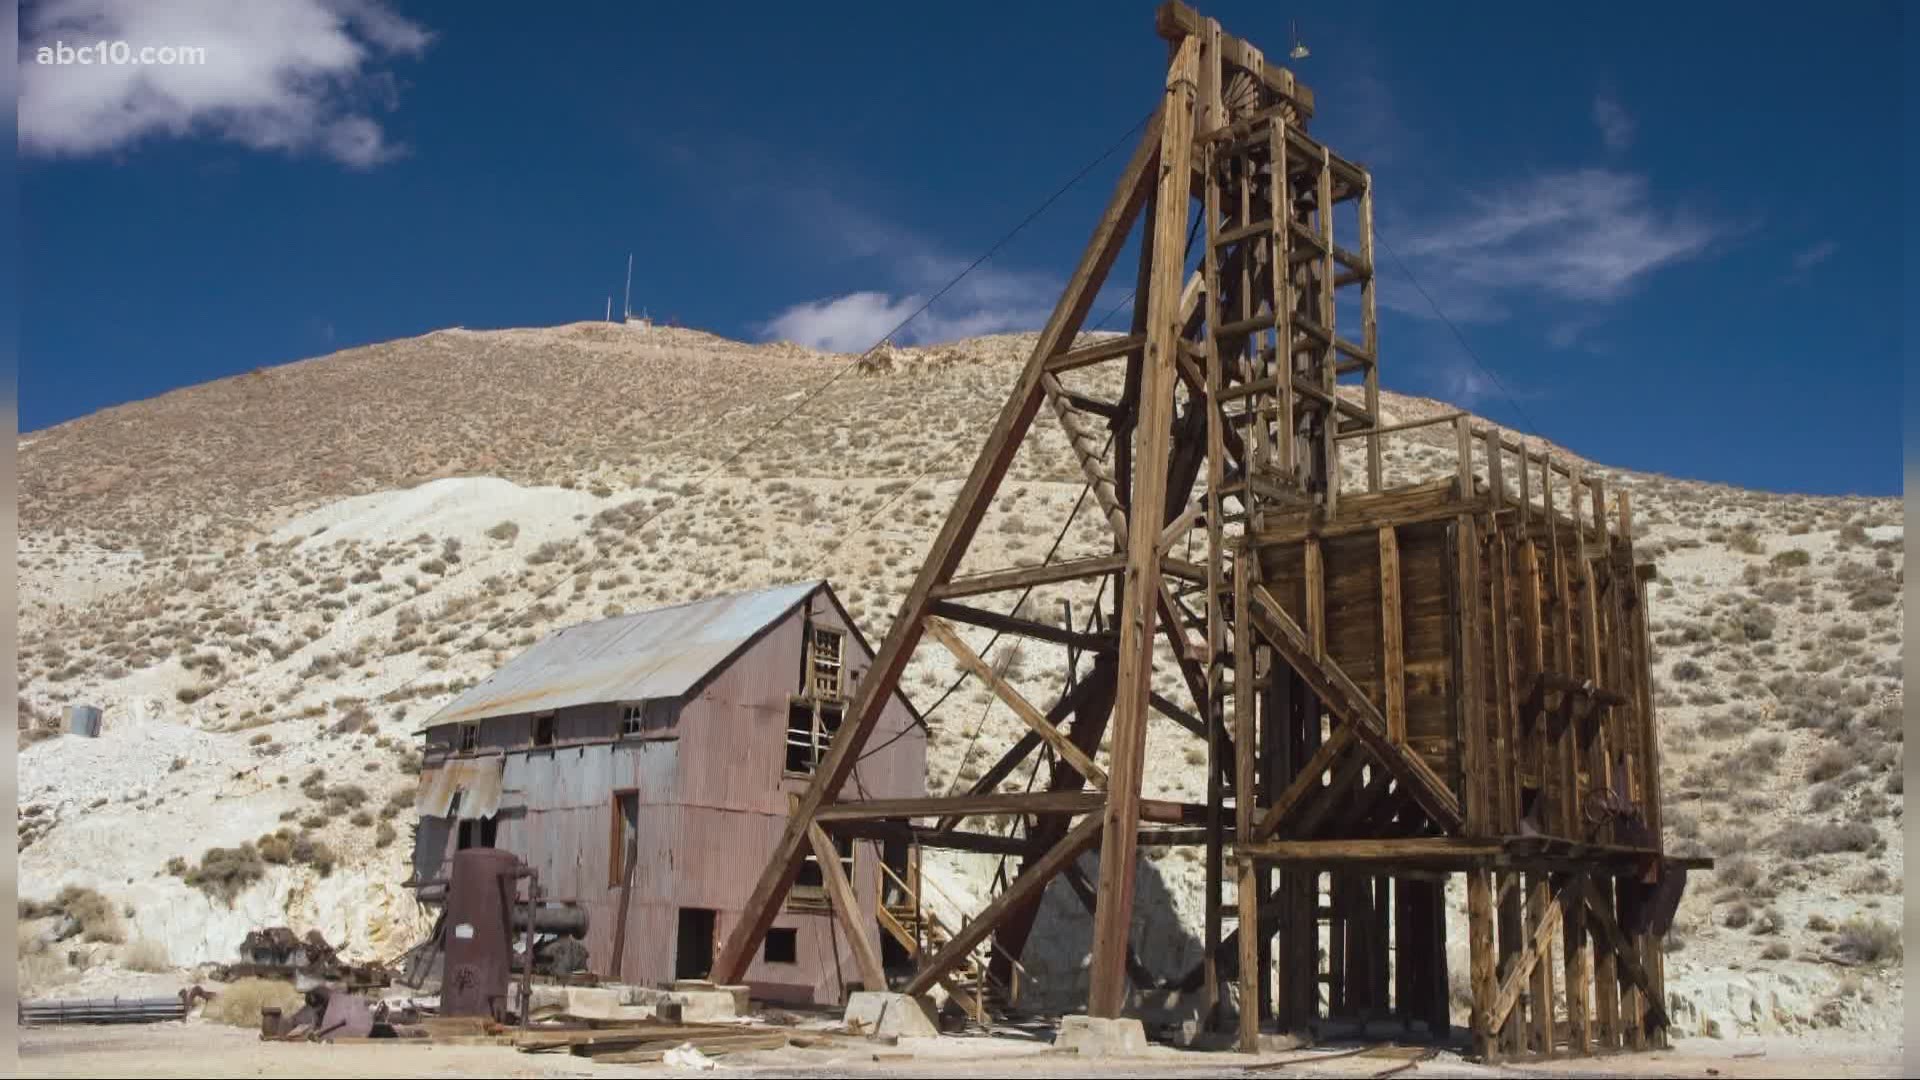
pixel 810 730
pixel 469 738
pixel 625 828
pixel 824 666
pixel 783 947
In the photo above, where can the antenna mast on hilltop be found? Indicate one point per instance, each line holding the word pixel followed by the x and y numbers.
pixel 626 304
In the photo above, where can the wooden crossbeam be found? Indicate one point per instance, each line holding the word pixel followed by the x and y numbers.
pixel 1013 624
pixel 1025 576
pixel 1304 782
pixel 943 632
pixel 1430 850
pixel 1631 970
pixel 1028 884
pixel 1538 945
pixel 1339 693
pixel 1006 802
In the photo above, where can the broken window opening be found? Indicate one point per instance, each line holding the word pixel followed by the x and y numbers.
pixel 811 726
pixel 626 827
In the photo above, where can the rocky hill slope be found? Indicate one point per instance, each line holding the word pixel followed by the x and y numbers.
pixel 268 580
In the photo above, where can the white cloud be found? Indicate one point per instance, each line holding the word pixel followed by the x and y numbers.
pixel 986 301
pixel 1804 261
pixel 1615 123
pixel 989 299
pixel 288 75
pixel 1589 235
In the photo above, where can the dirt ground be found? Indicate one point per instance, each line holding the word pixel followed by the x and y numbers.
pixel 198 1049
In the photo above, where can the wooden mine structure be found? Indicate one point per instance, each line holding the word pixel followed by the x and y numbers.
pixel 1393 684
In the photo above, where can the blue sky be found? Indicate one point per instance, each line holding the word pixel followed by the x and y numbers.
pixel 1670 234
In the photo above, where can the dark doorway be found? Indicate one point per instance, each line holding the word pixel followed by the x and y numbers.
pixel 477 833
pixel 693 952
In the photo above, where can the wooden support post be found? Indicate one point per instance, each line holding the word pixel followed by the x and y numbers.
pixel 1107 980
pixel 1316 587
pixel 1369 332
pixel 1542 1006
pixel 1480 947
pixel 1512 1032
pixel 846 907
pixel 1469 705
pixel 1393 654
pixel 1246 744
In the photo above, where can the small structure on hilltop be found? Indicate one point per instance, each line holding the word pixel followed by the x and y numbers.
pixel 643 766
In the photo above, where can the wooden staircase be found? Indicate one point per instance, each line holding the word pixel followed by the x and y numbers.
pixel 922 932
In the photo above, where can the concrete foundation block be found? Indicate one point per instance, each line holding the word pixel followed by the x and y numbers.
pixel 1099 1036
pixel 704 1006
pixel 879 1012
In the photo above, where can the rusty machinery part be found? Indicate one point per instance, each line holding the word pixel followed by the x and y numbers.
pixel 478 936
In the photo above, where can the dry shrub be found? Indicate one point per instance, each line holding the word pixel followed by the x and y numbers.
pixel 224 873
pixel 146 954
pixel 1870 941
pixel 240 1003
pixel 96 916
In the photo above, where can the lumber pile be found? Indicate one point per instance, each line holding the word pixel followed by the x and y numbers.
pixel 649 1042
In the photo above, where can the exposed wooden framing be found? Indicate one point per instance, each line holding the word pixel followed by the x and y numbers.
pixel 1000 802
pixel 1546 924
pixel 846 907
pixel 1031 880
pixel 944 633
pixel 1028 576
pixel 993 620
pixel 1306 781
pixel 1152 439
pixel 1394 685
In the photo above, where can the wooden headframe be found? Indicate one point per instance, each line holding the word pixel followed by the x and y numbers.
pixel 1392 684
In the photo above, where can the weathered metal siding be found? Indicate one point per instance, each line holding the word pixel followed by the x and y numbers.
pixel 713 804
pixel 735 793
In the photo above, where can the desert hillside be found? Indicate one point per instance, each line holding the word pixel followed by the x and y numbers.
pixel 269 580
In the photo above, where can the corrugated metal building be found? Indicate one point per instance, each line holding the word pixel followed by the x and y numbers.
pixel 676 735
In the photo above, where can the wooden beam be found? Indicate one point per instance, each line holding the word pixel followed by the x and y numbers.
pixel 846 905
pixel 1005 802
pixel 1306 781
pixel 1011 624
pixel 1106 994
pixel 1339 692
pixel 1028 884
pixel 943 632
pixel 1455 852
pixel 1112 348
pixel 1546 923
pixel 1393 653
pixel 1631 969
pixel 1028 576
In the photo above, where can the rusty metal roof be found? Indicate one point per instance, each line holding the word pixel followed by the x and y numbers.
pixel 476 780
pixel 629 658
